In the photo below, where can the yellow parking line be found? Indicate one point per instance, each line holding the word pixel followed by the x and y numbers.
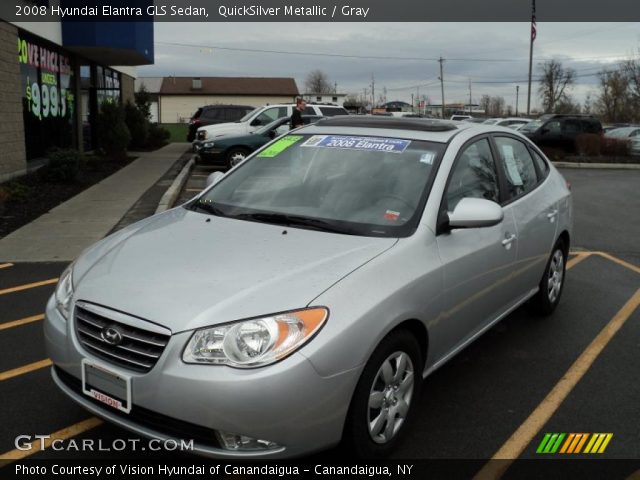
pixel 523 436
pixel 28 286
pixel 64 434
pixel 22 321
pixel 619 261
pixel 5 265
pixel 24 369
pixel 580 256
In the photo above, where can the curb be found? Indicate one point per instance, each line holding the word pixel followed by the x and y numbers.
pixel 172 193
pixel 603 166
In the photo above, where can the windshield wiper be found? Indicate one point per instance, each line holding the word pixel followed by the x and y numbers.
pixel 209 208
pixel 293 221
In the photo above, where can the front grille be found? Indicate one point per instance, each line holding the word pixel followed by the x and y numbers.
pixel 139 349
pixel 148 418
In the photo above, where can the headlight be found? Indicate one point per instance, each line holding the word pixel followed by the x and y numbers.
pixel 256 342
pixel 64 292
pixel 208 145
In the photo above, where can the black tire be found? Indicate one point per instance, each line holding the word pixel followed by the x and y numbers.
pixel 358 438
pixel 544 302
pixel 234 154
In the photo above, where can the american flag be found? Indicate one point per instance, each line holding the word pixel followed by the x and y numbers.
pixel 533 22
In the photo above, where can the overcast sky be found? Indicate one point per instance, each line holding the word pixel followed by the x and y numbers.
pixel 501 51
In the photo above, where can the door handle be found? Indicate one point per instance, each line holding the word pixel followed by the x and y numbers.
pixel 508 239
pixel 552 214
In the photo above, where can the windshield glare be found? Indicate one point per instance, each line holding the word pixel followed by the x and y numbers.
pixel 249 115
pixel 358 185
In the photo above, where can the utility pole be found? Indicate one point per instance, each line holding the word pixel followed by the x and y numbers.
pixel 533 37
pixel 517 93
pixel 373 92
pixel 366 97
pixel 441 61
pixel 469 96
pixel 335 87
pixel 412 105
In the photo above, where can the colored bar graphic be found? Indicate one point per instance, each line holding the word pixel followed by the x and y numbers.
pixel 574 443
pixel 544 441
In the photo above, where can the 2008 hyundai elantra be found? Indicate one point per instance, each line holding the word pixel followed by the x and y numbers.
pixel 303 297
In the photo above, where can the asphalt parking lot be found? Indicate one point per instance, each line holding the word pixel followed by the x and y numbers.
pixel 575 371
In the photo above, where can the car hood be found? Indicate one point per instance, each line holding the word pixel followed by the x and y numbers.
pixel 186 270
pixel 225 129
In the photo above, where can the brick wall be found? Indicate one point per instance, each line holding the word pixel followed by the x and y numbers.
pixel 12 148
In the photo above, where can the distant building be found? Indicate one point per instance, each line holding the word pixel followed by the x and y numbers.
pixel 178 98
pixel 337 98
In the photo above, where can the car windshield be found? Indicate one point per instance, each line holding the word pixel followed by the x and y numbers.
pixel 249 115
pixel 356 185
pixel 620 132
pixel 532 126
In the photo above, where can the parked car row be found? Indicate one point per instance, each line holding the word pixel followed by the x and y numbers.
pixel 260 117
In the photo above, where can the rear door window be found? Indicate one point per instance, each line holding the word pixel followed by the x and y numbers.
pixel 517 165
pixel 212 114
pixel 571 127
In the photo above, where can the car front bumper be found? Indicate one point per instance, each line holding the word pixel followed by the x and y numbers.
pixel 287 403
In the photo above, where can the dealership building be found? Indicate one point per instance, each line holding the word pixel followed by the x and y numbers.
pixel 55 75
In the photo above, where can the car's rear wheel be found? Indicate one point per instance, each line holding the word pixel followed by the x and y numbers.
pixel 382 404
pixel 552 283
pixel 235 156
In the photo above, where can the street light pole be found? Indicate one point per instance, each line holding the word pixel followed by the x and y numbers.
pixel 441 60
pixel 517 92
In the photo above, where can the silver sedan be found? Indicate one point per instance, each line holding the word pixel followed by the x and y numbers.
pixel 303 297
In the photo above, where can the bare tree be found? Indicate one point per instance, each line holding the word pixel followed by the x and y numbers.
pixel 318 82
pixel 496 106
pixel 555 82
pixel 631 70
pixel 485 103
pixel 614 99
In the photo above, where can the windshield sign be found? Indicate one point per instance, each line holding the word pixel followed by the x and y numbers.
pixel 358 143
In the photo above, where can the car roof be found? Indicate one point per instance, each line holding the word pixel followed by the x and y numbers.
pixel 440 131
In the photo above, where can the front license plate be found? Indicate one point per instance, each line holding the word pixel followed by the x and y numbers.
pixel 106 386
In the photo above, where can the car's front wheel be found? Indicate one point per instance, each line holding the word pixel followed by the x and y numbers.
pixel 550 288
pixel 385 395
pixel 235 156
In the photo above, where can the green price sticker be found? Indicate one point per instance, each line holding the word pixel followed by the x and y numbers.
pixel 280 146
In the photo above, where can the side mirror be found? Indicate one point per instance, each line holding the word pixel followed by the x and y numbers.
pixel 214 178
pixel 475 213
pixel 256 122
pixel 544 131
pixel 272 134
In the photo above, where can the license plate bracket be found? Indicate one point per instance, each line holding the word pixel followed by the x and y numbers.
pixel 108 387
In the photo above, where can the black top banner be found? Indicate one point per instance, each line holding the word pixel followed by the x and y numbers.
pixel 319 11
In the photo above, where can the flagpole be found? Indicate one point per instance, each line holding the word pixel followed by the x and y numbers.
pixel 532 38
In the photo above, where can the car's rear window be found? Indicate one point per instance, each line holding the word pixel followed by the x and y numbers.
pixel 333 111
pixel 359 185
